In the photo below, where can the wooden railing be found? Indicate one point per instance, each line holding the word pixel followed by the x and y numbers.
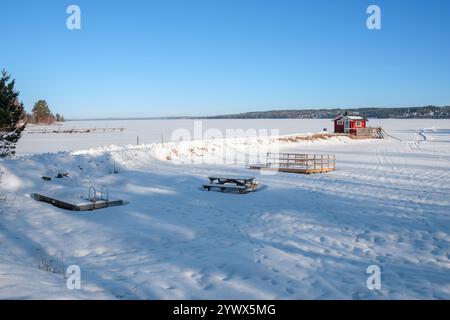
pixel 306 162
pixel 369 131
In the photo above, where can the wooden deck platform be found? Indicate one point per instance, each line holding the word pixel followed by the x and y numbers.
pixel 298 163
pixel 76 204
pixel 366 133
pixel 291 170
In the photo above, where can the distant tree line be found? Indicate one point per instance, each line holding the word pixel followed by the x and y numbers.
pixel 428 112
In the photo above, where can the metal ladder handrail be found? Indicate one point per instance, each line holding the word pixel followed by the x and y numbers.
pixel 92 188
pixel 104 191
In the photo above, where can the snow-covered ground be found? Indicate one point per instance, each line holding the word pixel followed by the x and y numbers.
pixel 298 237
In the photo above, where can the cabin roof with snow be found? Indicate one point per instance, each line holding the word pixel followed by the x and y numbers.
pixel 353 118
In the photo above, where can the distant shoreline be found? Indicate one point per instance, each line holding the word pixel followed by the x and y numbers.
pixel 427 112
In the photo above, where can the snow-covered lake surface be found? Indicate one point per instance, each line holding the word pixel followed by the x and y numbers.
pixel 298 237
pixel 149 131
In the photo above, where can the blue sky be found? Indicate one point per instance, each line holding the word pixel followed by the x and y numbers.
pixel 157 58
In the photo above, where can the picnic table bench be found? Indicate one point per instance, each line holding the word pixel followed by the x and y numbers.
pixel 240 184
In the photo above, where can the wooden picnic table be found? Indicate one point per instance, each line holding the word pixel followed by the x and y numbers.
pixel 239 181
pixel 240 184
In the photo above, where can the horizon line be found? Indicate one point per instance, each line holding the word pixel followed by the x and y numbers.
pixel 244 113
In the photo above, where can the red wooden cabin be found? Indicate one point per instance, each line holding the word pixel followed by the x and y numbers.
pixel 349 124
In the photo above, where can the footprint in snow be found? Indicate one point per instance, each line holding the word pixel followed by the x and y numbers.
pixel 290 290
pixel 227 277
pixel 208 287
pixel 378 240
pixel 221 265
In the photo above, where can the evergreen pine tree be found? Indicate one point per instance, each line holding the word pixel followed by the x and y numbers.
pixel 41 112
pixel 11 112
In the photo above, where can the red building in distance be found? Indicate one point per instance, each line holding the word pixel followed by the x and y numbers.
pixel 349 124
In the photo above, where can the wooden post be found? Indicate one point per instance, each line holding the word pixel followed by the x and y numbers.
pixel 247 151
pixel 235 152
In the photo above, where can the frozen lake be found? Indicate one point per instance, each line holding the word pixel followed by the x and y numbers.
pixel 151 131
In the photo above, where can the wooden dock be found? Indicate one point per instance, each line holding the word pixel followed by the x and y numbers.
pixel 77 130
pixel 298 163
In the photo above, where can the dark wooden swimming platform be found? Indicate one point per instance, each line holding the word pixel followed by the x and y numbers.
pixel 74 204
pixel 298 163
